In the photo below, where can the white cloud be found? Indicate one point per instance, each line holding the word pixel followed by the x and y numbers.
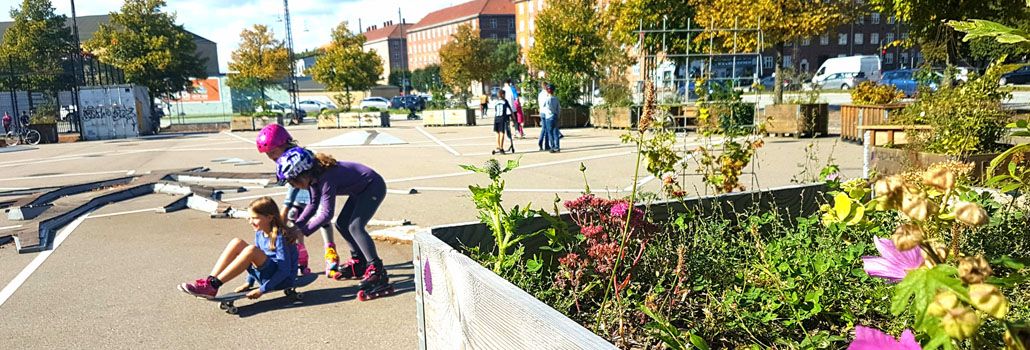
pixel 221 21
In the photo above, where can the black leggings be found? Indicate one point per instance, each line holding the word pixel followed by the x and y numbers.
pixel 356 213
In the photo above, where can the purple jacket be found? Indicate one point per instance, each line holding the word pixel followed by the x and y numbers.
pixel 346 178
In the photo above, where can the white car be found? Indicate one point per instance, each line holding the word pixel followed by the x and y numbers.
pixel 375 102
pixel 312 106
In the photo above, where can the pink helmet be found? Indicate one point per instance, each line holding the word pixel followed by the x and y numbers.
pixel 272 136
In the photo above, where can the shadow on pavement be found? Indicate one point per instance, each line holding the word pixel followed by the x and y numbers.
pixel 402 283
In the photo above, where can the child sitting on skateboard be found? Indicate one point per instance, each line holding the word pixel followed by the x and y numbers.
pixel 326 178
pixel 271 261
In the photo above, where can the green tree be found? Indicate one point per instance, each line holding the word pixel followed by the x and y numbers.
pixel 427 79
pixel 260 62
pixel 926 21
pixel 397 77
pixel 346 66
pixel 147 45
pixel 781 21
pixel 36 47
pixel 465 59
pixel 626 17
pixel 506 60
pixel 569 42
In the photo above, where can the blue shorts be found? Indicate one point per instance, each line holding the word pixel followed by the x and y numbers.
pixel 265 272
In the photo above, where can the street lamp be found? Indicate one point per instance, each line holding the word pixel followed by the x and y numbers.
pixel 76 63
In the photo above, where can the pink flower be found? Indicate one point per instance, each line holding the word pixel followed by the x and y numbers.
pixel 873 339
pixel 894 264
pixel 619 209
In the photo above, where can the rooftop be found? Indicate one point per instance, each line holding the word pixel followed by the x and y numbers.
pixel 466 10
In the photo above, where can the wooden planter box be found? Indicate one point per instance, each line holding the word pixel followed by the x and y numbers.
pixel 242 123
pixel 797 119
pixel 449 117
pixel 353 120
pixel 47 132
pixel 852 117
pixel 891 161
pixel 611 118
pixel 888 135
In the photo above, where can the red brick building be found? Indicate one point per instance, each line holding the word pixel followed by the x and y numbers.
pixel 495 19
pixel 391 44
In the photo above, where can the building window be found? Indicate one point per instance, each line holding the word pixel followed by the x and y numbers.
pixel 903 58
pixel 767 61
pixel 890 38
pixel 875 18
pixel 806 41
pixel 532 24
pixel 522 8
pixel 511 26
pixel 493 35
pixel 890 20
pixel 787 61
pixel 511 36
pixel 493 23
pixel 860 20
pixel 842 39
pixel 824 39
pixel 540 5
pixel 888 58
pixel 522 25
pixel 859 38
pixel 904 36
pixel 874 38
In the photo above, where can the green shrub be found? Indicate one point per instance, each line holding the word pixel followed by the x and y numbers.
pixel 871 93
pixel 966 119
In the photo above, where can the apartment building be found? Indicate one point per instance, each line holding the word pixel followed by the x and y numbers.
pixel 391 44
pixel 495 19
pixel 525 19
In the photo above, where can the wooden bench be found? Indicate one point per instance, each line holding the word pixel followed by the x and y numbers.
pixel 881 135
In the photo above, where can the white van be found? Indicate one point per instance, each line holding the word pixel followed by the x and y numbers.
pixel 869 66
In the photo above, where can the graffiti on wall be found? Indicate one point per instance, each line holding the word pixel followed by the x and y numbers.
pixel 109 121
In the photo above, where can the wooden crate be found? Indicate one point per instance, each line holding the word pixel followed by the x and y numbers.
pixel 447 117
pixel 852 117
pixel 612 118
pixel 891 161
pixel 244 123
pixel 887 135
pixel 797 119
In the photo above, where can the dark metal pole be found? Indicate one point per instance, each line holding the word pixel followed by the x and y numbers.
pixel 404 63
pixel 76 64
pixel 293 62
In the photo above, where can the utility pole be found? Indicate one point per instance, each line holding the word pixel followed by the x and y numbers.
pixel 76 64
pixel 293 63
pixel 404 62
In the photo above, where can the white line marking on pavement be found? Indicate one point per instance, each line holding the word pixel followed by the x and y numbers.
pixel 431 137
pixel 241 138
pixel 9 227
pixel 639 183
pixel 65 175
pixel 532 190
pixel 18 280
pixel 125 212
pixel 253 196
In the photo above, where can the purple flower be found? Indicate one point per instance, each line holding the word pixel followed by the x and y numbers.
pixel 873 339
pixel 619 209
pixel 833 177
pixel 894 264
pixel 427 278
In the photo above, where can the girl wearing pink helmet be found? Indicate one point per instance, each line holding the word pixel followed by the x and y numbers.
pixel 273 140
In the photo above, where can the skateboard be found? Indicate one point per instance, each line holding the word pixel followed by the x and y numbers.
pixel 226 301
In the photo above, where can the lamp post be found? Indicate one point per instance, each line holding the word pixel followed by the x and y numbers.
pixel 76 63
pixel 293 64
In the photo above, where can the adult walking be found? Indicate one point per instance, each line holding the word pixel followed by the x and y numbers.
pixel 555 110
pixel 543 101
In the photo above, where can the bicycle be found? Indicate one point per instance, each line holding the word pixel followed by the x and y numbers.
pixel 22 136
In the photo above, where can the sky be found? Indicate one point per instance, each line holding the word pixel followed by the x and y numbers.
pixel 222 20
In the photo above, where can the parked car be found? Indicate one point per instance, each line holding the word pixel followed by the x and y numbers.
pixel 289 115
pixel 905 80
pixel 850 66
pixel 1019 76
pixel 312 106
pixel 843 81
pixel 375 102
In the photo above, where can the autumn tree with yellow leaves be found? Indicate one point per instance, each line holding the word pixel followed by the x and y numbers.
pixel 780 21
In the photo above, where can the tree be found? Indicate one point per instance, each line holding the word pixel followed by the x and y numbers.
pixel 260 62
pixel 569 43
pixel 926 20
pixel 464 60
pixel 505 57
pixel 149 48
pixel 36 48
pixel 345 65
pixel 625 18
pixel 427 79
pixel 781 21
pixel 397 77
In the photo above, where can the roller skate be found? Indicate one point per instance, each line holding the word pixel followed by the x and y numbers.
pixel 353 268
pixel 302 259
pixel 376 283
pixel 332 261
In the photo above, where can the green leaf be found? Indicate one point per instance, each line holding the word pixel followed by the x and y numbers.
pixel 512 164
pixel 1010 188
pixel 534 265
pixel 1012 169
pixel 698 342
pixel 921 286
pixel 1012 263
